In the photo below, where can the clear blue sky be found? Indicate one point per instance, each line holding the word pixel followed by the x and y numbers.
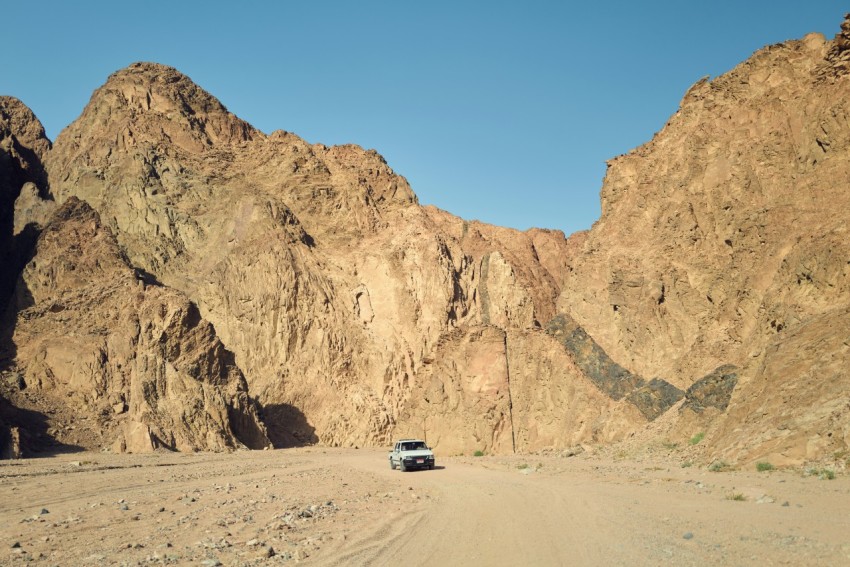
pixel 499 111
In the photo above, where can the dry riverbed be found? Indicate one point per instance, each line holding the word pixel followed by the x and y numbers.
pixel 346 507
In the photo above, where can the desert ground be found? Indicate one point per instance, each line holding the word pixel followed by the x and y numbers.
pixel 324 506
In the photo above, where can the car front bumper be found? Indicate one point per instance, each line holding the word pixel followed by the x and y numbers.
pixel 418 463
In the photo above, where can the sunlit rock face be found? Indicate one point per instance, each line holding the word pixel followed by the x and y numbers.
pixel 263 278
pixel 315 265
pixel 723 242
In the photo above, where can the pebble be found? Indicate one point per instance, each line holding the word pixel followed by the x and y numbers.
pixel 688 535
pixel 211 562
pixel 44 511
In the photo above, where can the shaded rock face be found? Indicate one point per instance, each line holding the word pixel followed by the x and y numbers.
pixel 136 364
pixel 23 146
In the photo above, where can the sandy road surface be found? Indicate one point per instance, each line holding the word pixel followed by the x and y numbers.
pixel 346 507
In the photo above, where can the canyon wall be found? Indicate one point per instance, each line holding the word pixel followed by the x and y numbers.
pixel 232 288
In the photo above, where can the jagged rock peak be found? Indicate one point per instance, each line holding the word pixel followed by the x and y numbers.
pixel 164 82
pixel 842 39
pixel 16 119
pixel 839 54
pixel 149 102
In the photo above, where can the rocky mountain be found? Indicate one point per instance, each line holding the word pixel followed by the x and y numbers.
pixel 136 361
pixel 723 242
pixel 250 270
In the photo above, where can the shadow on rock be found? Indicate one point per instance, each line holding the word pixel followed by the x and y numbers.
pixel 287 426
pixel 24 433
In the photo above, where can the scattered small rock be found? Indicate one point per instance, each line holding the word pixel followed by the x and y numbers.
pixel 16 380
pixel 268 552
pixel 688 535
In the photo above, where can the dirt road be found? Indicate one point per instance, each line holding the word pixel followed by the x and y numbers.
pixel 346 507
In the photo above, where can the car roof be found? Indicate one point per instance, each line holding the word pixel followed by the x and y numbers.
pixel 409 440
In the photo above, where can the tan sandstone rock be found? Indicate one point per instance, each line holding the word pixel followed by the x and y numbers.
pixel 724 238
pixel 710 296
pixel 316 265
pixel 90 334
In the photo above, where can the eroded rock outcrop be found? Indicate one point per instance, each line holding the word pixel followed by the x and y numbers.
pixel 23 147
pixel 355 315
pixel 134 366
pixel 723 238
pixel 651 397
pixel 316 264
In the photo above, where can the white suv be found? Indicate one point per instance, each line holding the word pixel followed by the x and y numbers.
pixel 409 454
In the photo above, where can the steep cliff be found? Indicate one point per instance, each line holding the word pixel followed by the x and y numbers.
pixel 723 241
pixel 117 361
pixel 712 295
pixel 316 264
pixel 23 147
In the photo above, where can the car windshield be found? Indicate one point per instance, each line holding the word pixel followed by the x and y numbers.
pixel 413 446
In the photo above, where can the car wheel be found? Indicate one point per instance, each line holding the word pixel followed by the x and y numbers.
pixel 431 467
pixel 401 466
